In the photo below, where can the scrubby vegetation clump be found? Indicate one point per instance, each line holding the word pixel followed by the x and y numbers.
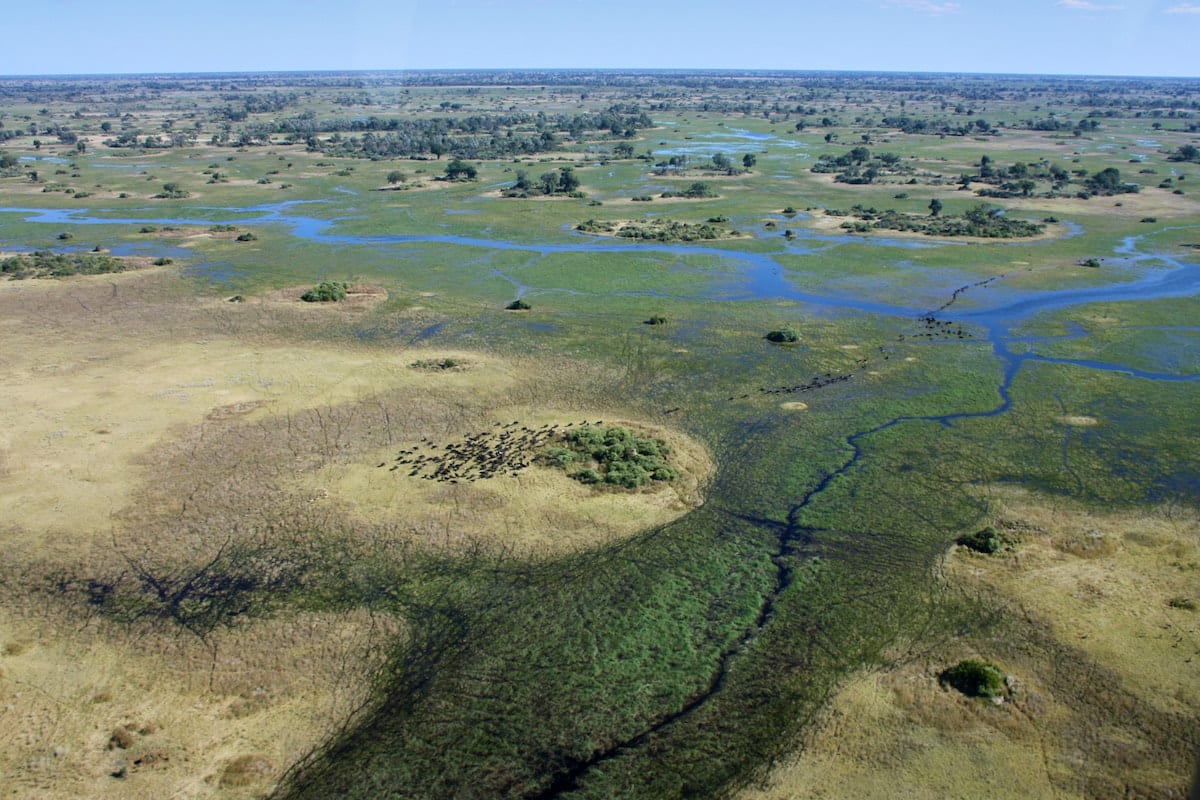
pixel 326 292
pixel 982 541
pixel 783 336
pixel 46 264
pixel 980 221
pixel 975 678
pixel 611 455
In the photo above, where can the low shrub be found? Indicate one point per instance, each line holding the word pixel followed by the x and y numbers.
pixel 783 336
pixel 983 541
pixel 975 678
pixel 326 292
pixel 518 305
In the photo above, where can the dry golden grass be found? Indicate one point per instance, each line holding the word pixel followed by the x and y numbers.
pixel 1105 687
pixel 141 422
pixel 98 713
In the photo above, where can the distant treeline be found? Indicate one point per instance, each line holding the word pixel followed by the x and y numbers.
pixel 477 136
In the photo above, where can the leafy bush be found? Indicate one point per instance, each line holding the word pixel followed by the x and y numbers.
pixel 657 320
pixel 172 191
pixel 247 237
pixel 983 541
pixel 783 336
pixel 326 292
pixel 45 264
pixel 518 305
pixel 614 456
pixel 697 190
pixel 975 678
pixel 438 363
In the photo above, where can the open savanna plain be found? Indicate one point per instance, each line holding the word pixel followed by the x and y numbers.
pixel 919 353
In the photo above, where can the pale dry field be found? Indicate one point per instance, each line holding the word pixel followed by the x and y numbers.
pixel 1103 656
pixel 142 425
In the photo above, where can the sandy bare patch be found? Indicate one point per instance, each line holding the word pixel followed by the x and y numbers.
pixel 1078 421
pixel 794 405
pixel 80 414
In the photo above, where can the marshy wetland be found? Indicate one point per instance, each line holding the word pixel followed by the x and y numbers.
pixel 268 539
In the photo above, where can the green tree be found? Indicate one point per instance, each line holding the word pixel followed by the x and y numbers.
pixel 1187 152
pixel 459 170
pixel 935 207
pixel 749 160
pixel 395 176
pixel 568 181
pixel 548 182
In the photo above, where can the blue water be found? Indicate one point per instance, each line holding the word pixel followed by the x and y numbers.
pixel 755 276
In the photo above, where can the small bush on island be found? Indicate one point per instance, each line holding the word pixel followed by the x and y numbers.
pixel 696 191
pixel 614 456
pixel 657 320
pixel 435 363
pixel 326 292
pixel 980 221
pixel 172 191
pixel 45 264
pixel 982 541
pixel 975 678
pixel 518 305
pixel 783 336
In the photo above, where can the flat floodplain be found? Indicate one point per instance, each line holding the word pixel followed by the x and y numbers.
pixel 259 546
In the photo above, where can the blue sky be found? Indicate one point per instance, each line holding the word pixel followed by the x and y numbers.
pixel 1104 37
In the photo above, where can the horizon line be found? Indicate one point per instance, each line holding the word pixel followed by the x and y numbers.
pixel 733 71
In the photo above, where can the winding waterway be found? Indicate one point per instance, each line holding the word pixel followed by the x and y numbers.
pixel 1141 276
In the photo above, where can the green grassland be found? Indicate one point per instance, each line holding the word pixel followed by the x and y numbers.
pixel 684 660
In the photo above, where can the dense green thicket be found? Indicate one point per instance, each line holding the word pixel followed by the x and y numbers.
pixel 326 292
pixel 614 456
pixel 45 264
pixel 975 678
pixel 981 221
